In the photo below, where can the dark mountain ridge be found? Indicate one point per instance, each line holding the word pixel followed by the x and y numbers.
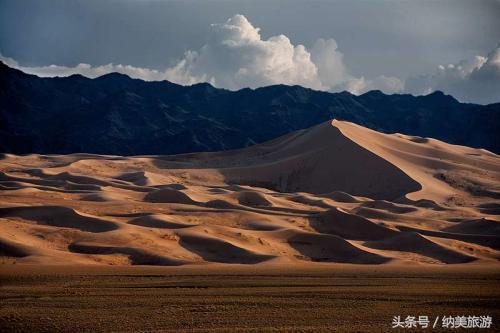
pixel 115 114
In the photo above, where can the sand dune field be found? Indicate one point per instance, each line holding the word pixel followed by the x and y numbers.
pixel 335 193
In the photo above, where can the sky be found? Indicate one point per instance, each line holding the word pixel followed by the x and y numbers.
pixel 395 46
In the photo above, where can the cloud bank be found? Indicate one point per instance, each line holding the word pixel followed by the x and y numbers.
pixel 236 56
pixel 472 80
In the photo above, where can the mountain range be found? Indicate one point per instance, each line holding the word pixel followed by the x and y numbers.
pixel 115 114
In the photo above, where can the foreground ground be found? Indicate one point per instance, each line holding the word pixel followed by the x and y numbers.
pixel 234 298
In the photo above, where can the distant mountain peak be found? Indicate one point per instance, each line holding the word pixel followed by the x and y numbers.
pixel 440 96
pixel 374 93
pixel 114 76
pixel 76 76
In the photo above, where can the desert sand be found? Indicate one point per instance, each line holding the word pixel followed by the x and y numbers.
pixel 335 193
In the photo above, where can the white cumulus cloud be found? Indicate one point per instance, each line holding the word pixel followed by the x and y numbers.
pixel 236 56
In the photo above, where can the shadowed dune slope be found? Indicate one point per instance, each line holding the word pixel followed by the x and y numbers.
pixel 58 216
pixel 481 226
pixel 350 226
pixel 318 160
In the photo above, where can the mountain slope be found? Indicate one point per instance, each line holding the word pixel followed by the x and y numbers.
pixel 115 114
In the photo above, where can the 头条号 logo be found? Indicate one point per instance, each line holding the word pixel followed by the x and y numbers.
pixel 451 322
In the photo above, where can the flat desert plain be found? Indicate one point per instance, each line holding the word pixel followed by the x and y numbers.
pixel 334 228
pixel 242 298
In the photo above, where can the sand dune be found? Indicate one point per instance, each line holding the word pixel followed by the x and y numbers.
pixel 58 216
pixel 476 227
pixel 338 222
pixel 416 243
pixel 250 198
pixel 135 256
pixel 158 221
pixel 218 250
pixel 13 249
pixel 167 195
pixel 335 193
pixel 330 248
